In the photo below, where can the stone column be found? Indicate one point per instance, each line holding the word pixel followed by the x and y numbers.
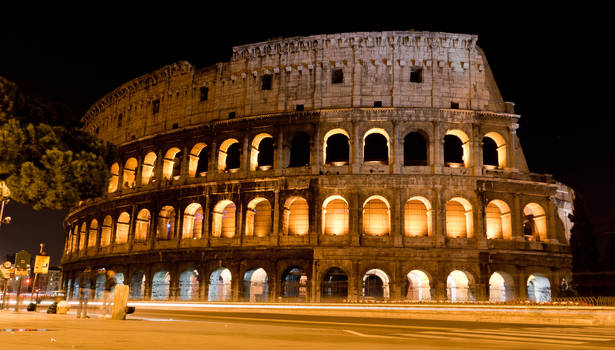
pixel 278 157
pixel 276 217
pixel 395 163
pixel 439 210
pixel 212 167
pixel 139 171
pixel 551 215
pixel 517 223
pixel 316 159
pixel 132 227
pixel 356 218
pixel 355 148
pixel 244 167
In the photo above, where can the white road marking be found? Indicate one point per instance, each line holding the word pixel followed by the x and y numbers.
pixel 369 335
pixel 563 335
pixel 475 335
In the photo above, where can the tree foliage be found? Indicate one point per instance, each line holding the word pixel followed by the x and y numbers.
pixel 46 159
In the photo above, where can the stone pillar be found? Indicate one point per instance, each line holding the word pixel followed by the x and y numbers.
pixel 174 282
pixel 139 171
pixel 206 225
pixel 236 280
pixel 551 215
pixel 120 180
pixel 395 163
pixel 179 220
pixel 276 217
pixel 158 169
pixel 278 157
pixel 212 166
pixel 511 148
pixel 203 285
pixel 244 167
pixel 356 220
pixel 437 153
pixel 147 292
pixel 132 227
pixel 151 235
pixel 183 172
pixel 396 219
pixel 517 223
pixel 439 217
pixel 476 161
pixel 521 285
pixel 314 282
pixel 355 148
pixel 316 159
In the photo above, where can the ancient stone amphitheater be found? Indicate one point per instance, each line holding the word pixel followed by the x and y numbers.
pixel 342 167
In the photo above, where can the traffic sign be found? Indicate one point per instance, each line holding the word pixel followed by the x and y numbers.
pixel 22 260
pixel 41 264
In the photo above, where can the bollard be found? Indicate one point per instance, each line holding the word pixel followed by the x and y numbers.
pixel 120 299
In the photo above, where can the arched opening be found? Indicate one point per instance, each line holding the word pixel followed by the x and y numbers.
pixel 149 162
pixel 229 156
pixel 456 149
pixel 534 222
pixel 500 287
pixel 193 221
pixel 498 222
pixel 294 284
pixel 137 285
pixel 376 147
pixel 129 179
pixel 337 147
pixel 100 286
pixel 255 285
pixel 417 217
pixel 334 285
pixel 142 226
pixel 494 151
pixel 119 278
pixel 415 149
pixel 160 285
pixel 220 285
pixel 75 288
pixel 258 218
pixel 459 218
pixel 74 238
pixel 171 164
pixel 458 286
pixel 376 285
pixel 335 216
pixel 122 226
pixel 376 216
pixel 93 233
pixel 261 152
pixel 538 288
pixel 83 234
pixel 105 232
pixel 199 160
pixel 166 223
pixel 189 285
pixel 299 150
pixel 417 286
pixel 115 174
pixel 224 219
pixel 296 216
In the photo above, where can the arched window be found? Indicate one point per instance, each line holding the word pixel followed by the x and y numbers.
pixel 376 216
pixel 142 226
pixel 418 286
pixel 199 159
pixel 115 174
pixel 258 218
pixel 294 284
pixel 105 232
pixel 299 150
pixel 255 285
pixel 149 162
pixel 93 233
pixel 538 288
pixel 189 285
pixel 137 285
pixel 75 239
pixel 417 217
pixel 498 222
pixel 459 218
pixel 261 153
pixel 376 285
pixel 229 156
pixel 501 287
pixel 171 164
pixel 83 233
pixel 376 146
pixel 220 285
pixel 415 149
pixel 336 150
pixel 458 286
pixel 166 223
pixel 535 222
pixel 335 216
pixel 160 285
pixel 456 149
pixel 296 216
pixel 334 285
pixel 129 179
pixel 193 221
pixel 224 219
pixel 122 227
pixel 494 150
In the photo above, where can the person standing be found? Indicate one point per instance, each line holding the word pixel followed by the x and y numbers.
pixel 109 285
pixel 84 293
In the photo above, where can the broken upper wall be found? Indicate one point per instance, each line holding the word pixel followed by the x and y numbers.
pixel 390 69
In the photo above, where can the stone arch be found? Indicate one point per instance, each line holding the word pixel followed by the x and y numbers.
pixel 193 221
pixel 161 282
pixel 258 218
pixel 417 217
pixel 538 288
pixel 376 216
pixel 334 285
pixel 198 164
pixel 229 155
pixel 376 146
pixel 113 181
pixel 93 233
pixel 336 147
pixel 83 233
pixel 459 218
pixel 459 286
pixel 296 220
pixel 416 151
pixel 299 150
pixel 165 228
pixel 149 162
pixel 122 226
pixel 534 222
pixel 418 286
pixel 494 150
pixel 376 285
pixel 498 223
pixel 74 235
pixel 224 219
pixel 501 287
pixel 142 226
pixel 335 216
pixel 456 149
pixel 171 164
pixel 256 285
pixel 105 231
pixel 220 285
pixel 261 152
pixel 137 285
pixel 294 284
pixel 129 178
pixel 189 284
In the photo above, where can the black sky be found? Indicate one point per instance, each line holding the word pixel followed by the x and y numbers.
pixel 553 64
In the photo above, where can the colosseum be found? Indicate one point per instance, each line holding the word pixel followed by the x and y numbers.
pixel 370 166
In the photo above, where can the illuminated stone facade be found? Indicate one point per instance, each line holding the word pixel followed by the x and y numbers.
pixel 332 167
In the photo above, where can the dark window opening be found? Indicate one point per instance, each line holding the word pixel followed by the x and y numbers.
pixel 119 120
pixel 338 147
pixel 155 106
pixel 203 164
pixel 97 130
pixel 299 108
pixel 490 152
pixel 415 149
pixel 231 115
pixel 204 93
pixel 416 75
pixel 177 164
pixel 233 156
pixel 377 103
pixel 453 149
pixel 334 285
pixel 454 105
pixel 266 82
pixel 300 150
pixel 175 125
pixel 376 149
pixel 294 284
pixel 337 76
pixel 265 152
pixel 373 287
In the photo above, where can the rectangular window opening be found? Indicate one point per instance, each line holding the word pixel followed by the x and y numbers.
pixel 175 125
pixel 454 105
pixel 156 106
pixel 231 115
pixel 337 76
pixel 377 103
pixel 299 108
pixel 416 75
pixel 266 82
pixel 119 120
pixel 204 93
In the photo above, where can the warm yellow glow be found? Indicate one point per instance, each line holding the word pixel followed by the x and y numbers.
pixel 335 216
pixel 458 286
pixel 501 143
pixel 418 286
pixel 105 232
pixel 417 217
pixel 115 174
pixel 386 294
pixel 129 179
pixel 142 226
pixel 224 219
pixel 465 144
pixel 258 218
pixel 166 223
pixel 296 216
pixel 148 168
pixel 93 233
pixel 498 223
pixel 122 227
pixel 536 213
pixel 222 153
pixel 376 216
pixel 193 162
pixel 329 134
pixel 193 221
pixel 168 162
pixel 500 287
pixel 82 236
pixel 254 149
pixel 459 218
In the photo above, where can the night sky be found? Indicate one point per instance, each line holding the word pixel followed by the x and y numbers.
pixel 553 64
